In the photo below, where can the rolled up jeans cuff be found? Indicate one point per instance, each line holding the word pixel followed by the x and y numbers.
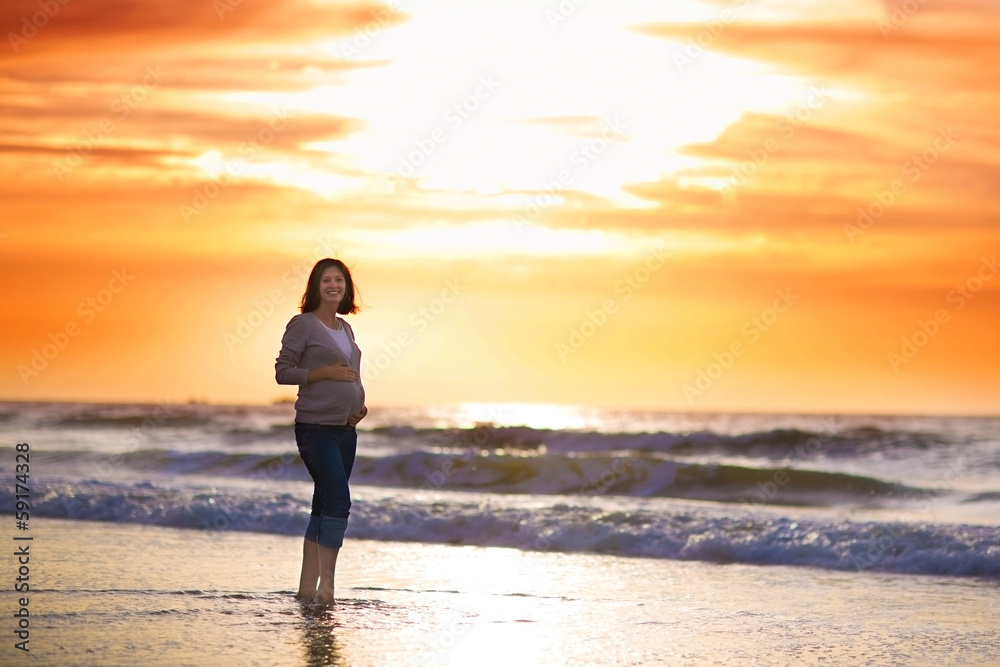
pixel 327 531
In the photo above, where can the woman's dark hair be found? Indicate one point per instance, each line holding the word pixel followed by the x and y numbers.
pixel 311 298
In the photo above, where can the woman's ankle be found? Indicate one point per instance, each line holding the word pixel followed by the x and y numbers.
pixel 324 596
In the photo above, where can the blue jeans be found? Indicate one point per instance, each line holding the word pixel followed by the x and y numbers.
pixel 328 452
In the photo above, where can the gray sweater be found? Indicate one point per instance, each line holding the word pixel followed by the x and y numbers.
pixel 307 345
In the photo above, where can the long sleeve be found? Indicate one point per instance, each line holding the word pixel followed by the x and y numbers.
pixel 305 345
pixel 350 330
pixel 293 343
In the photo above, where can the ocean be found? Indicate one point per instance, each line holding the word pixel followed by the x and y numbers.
pixel 735 499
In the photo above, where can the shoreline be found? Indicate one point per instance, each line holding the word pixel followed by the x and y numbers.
pixel 124 594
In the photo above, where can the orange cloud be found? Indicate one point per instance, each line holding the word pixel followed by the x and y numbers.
pixel 119 25
pixel 767 204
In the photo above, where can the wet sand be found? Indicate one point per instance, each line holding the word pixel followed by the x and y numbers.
pixel 116 594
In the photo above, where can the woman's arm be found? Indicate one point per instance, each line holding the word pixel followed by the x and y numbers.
pixel 293 343
pixel 286 370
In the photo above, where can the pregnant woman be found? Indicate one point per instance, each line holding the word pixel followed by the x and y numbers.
pixel 318 353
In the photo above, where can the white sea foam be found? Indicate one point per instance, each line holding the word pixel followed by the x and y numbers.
pixel 840 493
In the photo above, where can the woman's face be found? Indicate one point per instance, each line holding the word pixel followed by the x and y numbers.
pixel 332 286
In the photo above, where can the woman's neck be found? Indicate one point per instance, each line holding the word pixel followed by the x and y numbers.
pixel 327 316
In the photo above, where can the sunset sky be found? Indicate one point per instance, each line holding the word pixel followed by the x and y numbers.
pixel 756 205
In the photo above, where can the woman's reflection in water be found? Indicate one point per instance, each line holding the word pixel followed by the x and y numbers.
pixel 319 645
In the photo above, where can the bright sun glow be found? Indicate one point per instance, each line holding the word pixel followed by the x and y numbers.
pixel 565 105
pixel 490 239
pixel 556 417
pixel 540 152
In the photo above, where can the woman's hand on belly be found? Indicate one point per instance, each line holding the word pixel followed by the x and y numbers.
pixel 339 372
pixel 354 418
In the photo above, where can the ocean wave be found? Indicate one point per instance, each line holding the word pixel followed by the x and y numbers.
pixel 781 443
pixel 98 465
pixel 148 417
pixel 140 420
pixel 233 425
pixel 986 496
pixel 635 475
pixel 913 548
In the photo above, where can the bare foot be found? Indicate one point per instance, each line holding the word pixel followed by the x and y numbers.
pixel 324 597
